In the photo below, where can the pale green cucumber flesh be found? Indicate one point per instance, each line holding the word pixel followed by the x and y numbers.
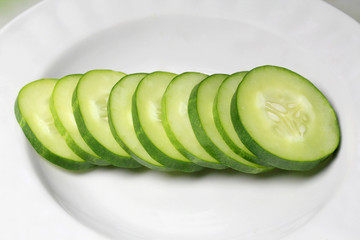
pixel 146 113
pixel 222 116
pixel 121 122
pixel 33 114
pixel 201 116
pixel 176 121
pixel 61 109
pixel 282 117
pixel 90 111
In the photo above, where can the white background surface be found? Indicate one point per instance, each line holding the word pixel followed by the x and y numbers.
pixel 11 8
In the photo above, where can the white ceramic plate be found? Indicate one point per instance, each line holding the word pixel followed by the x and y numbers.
pixel 56 38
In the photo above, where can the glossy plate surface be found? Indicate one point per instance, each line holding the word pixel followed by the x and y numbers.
pixel 57 38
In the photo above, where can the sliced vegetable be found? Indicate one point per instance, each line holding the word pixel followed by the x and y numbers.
pixel 284 119
pixel 121 122
pixel 146 112
pixel 62 112
pixel 269 117
pixel 90 110
pixel 222 116
pixel 175 119
pixel 33 114
pixel 201 117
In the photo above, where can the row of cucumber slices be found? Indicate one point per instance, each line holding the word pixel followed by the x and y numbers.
pixel 269 117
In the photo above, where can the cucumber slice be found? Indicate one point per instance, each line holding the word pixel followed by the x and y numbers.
pixel 175 119
pixel 222 116
pixel 282 117
pixel 33 114
pixel 89 103
pixel 146 112
pixel 62 112
pixel 201 117
pixel 121 123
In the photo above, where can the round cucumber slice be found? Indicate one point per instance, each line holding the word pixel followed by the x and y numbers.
pixel 222 116
pixel 201 117
pixel 33 114
pixel 61 109
pixel 121 123
pixel 175 119
pixel 282 117
pixel 146 112
pixel 89 103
